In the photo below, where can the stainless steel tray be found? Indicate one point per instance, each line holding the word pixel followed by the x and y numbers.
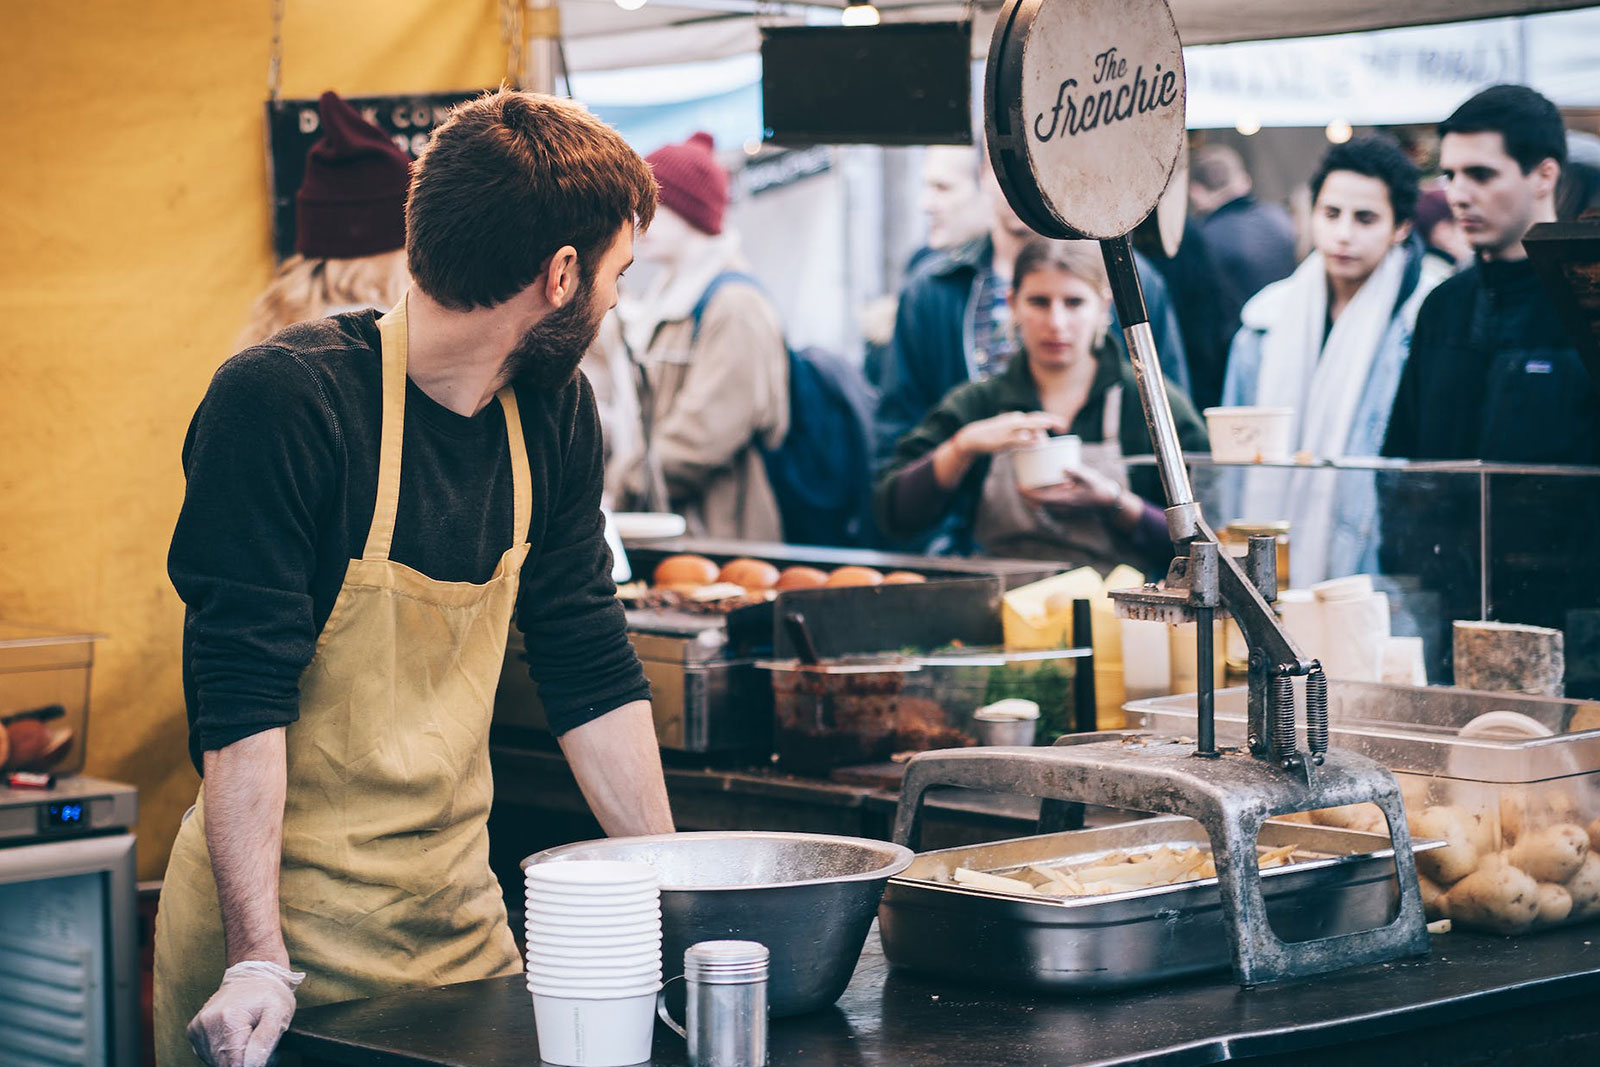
pixel 1100 943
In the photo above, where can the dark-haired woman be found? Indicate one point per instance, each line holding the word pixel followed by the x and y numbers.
pixel 1330 342
pixel 1074 379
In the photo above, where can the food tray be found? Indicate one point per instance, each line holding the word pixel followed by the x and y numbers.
pixel 1528 798
pixel 1100 943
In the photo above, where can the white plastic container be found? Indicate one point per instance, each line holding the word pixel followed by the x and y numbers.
pixel 1250 434
pixel 595 1032
pixel 1044 464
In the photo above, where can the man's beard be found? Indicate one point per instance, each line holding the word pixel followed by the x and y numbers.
pixel 550 351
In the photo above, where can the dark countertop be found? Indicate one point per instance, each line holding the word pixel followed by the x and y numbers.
pixel 1475 1000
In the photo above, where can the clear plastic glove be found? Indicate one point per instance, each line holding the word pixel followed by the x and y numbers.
pixel 241 1024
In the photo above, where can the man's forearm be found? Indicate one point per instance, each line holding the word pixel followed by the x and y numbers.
pixel 617 763
pixel 244 792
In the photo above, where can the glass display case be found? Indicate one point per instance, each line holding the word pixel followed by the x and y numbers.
pixel 1444 541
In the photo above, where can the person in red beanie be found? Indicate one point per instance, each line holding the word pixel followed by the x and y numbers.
pixel 712 350
pixel 350 228
pixel 1442 240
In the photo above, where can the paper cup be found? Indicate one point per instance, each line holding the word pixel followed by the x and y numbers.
pixel 577 1032
pixel 610 915
pixel 581 974
pixel 1250 434
pixel 611 959
pixel 621 951
pixel 642 903
pixel 567 927
pixel 1044 464
pixel 639 965
pixel 568 986
pixel 596 943
pixel 591 873
pixel 539 905
pixel 596 894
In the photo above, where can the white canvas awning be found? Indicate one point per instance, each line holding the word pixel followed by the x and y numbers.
pixel 599 35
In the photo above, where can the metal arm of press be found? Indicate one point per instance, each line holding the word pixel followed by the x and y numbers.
pixel 1205 578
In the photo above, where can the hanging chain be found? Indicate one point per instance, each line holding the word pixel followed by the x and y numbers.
pixel 275 61
pixel 515 38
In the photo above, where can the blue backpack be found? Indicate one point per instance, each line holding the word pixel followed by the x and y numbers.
pixel 822 473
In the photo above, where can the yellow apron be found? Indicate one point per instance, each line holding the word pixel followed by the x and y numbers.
pixel 385 880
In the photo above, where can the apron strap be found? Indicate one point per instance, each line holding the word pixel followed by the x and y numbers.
pixel 380 537
pixel 1111 418
pixel 521 480
pixel 393 334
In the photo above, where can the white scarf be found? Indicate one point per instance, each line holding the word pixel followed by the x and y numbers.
pixel 1323 383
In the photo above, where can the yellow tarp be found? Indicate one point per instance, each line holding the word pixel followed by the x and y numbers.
pixel 135 231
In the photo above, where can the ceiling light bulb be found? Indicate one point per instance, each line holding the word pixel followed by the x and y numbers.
pixel 630 5
pixel 1339 131
pixel 1249 125
pixel 859 15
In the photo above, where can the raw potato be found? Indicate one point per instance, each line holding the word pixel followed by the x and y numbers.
pixel 1553 854
pixel 1433 898
pixel 1413 793
pixel 1521 811
pixel 1457 859
pixel 1367 818
pixel 1555 903
pixel 1594 835
pixel 1496 897
pixel 1585 888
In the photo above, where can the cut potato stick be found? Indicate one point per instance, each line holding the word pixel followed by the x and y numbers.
pixel 1275 856
pixel 1116 872
pixel 993 882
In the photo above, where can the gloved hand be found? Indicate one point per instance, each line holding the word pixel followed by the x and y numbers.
pixel 241 1024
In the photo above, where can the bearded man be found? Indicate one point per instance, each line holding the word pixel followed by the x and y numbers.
pixel 369 501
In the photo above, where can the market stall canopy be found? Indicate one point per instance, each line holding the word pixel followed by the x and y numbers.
pixel 600 35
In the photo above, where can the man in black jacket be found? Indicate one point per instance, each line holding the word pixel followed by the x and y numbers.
pixel 1492 375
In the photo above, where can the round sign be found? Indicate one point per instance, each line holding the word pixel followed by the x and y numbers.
pixel 1085 112
pixel 1161 233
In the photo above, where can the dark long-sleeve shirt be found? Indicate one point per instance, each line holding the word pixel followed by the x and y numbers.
pixel 281 462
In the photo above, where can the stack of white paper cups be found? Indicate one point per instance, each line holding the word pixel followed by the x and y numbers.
pixel 594 960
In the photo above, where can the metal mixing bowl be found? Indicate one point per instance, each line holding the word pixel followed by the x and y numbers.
pixel 809 898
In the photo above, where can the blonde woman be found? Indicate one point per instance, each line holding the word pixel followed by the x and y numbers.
pixel 350 235
pixel 1072 377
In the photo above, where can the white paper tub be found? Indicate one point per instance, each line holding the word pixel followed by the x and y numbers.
pixel 1043 464
pixel 580 1032
pixel 1250 434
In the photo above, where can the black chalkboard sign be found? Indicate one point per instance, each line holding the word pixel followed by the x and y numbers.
pixel 898 83
pixel 293 126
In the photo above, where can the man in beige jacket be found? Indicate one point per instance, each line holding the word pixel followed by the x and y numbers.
pixel 717 383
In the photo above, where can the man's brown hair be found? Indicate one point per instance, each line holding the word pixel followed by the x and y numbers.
pixel 508 180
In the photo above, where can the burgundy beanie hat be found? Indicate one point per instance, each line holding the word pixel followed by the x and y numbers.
pixel 1432 208
pixel 692 184
pixel 352 202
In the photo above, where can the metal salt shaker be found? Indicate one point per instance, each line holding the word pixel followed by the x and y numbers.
pixel 726 1007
